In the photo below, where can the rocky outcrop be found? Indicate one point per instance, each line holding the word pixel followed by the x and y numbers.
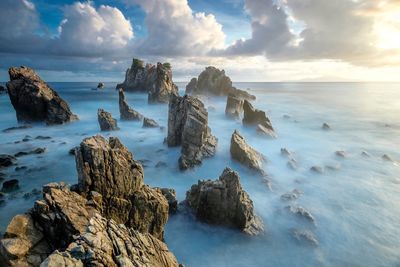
pixel 188 126
pixel 224 202
pixel 245 154
pixel 34 100
pixel 150 123
pixel 170 195
pixel 214 81
pixel 156 80
pixel 106 121
pixel 234 106
pixel 108 168
pixel 252 116
pixel 126 112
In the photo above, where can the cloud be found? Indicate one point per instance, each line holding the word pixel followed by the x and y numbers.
pixel 174 30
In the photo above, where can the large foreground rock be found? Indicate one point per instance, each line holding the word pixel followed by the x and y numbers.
pixel 252 116
pixel 34 100
pixel 156 80
pixel 245 154
pixel 214 81
pixel 224 202
pixel 106 121
pixel 188 126
pixel 108 168
pixel 126 112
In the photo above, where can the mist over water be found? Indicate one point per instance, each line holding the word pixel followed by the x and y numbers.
pixel 356 206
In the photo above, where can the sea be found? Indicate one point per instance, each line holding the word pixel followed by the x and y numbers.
pixel 355 200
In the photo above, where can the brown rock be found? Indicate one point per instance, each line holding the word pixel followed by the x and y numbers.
pixel 257 117
pixel 149 123
pixel 127 113
pixel 234 106
pixel 106 121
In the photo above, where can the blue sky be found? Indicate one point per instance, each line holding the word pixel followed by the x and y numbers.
pixel 253 40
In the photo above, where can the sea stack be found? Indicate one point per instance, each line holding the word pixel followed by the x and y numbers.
pixel 234 106
pixel 188 126
pixel 252 116
pixel 34 100
pixel 106 121
pixel 126 112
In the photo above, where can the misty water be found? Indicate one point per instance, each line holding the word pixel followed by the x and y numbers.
pixel 356 204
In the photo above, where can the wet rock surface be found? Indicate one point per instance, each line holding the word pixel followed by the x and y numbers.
pixel 10 185
pixel 256 117
pixel 7 160
pixel 106 121
pixel 224 202
pixel 126 112
pixel 34 100
pixel 234 106
pixel 188 127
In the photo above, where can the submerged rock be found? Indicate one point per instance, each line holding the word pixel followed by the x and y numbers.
pixel 234 106
pixel 293 195
pixel 301 212
pixel 3 90
pixel 39 150
pixel 341 153
pixel 100 85
pixel 7 160
pixel 326 126
pixel 305 235
pixel 245 154
pixel 106 121
pixel 214 81
pixel 24 126
pixel 126 112
pixel 365 154
pixel 317 169
pixel 224 202
pixel 188 126
pixel 285 152
pixel 10 185
pixel 386 157
pixel 34 100
pixel 257 117
pixel 292 164
pixel 149 123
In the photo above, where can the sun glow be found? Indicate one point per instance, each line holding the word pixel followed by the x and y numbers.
pixel 388 29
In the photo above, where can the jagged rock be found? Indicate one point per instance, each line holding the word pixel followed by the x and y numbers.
pixel 106 121
pixel 245 154
pixel 301 212
pixel 326 126
pixel 109 169
pixel 234 106
pixel 149 123
pixel 317 169
pixel 214 81
pixel 39 150
pixel 100 85
pixel 295 194
pixel 156 80
pixel 10 185
pixel 34 100
pixel 127 113
pixel 188 126
pixel 224 202
pixel 7 160
pixel 252 116
pixel 25 126
pixel 305 235
pixel 170 195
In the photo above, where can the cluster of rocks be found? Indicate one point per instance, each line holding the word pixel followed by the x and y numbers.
pixel 214 81
pixel 156 80
pixel 34 100
pixel 188 127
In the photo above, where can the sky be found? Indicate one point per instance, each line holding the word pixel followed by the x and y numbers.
pixel 252 40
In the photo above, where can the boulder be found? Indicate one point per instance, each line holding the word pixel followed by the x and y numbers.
pixel 106 121
pixel 234 106
pixel 149 123
pixel 188 126
pixel 34 100
pixel 7 160
pixel 155 80
pixel 126 112
pixel 252 116
pixel 386 157
pixel 10 185
pixel 214 81
pixel 224 202
pixel 245 154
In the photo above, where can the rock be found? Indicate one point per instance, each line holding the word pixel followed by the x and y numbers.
pixel 292 164
pixel 127 113
pixel 3 90
pixel 39 150
pixel 156 80
pixel 333 167
pixel 161 164
pixel 72 151
pixel 149 123
pixel 108 168
pixel 365 154
pixel 224 202
pixel 245 154
pixel 326 126
pixel 295 194
pixel 41 137
pixel 10 185
pixel 286 117
pixel 106 121
pixel 34 193
pixel 214 81
pixel 385 157
pixel 317 169
pixel 252 116
pixel 301 212
pixel 170 195
pixel 341 153
pixel 188 126
pixel 285 152
pixel 25 126
pixel 305 235
pixel 234 106
pixel 34 100
pixel 20 168
pixel 61 259
pixel 7 160
pixel 100 85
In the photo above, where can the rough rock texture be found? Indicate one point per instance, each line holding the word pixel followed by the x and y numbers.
pixel 34 100
pixel 126 112
pixel 156 80
pixel 170 195
pixel 108 168
pixel 245 154
pixel 234 106
pixel 252 116
pixel 214 81
pixel 305 235
pixel 224 202
pixel 106 121
pixel 188 126
pixel 150 123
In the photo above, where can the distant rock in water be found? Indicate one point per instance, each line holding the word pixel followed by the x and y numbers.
pixel 106 121
pixel 100 85
pixel 7 160
pixel 156 80
pixel 386 157
pixel 341 153
pixel 22 127
pixel 305 235
pixel 10 185
pixel 126 112
pixel 317 169
pixel 3 90
pixel 326 126
pixel 214 81
pixel 188 126
pixel 234 106
pixel 150 123
pixel 34 100
pixel 252 116
pixel 245 154
pixel 224 202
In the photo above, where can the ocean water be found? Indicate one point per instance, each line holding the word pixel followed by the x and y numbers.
pixel 356 206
